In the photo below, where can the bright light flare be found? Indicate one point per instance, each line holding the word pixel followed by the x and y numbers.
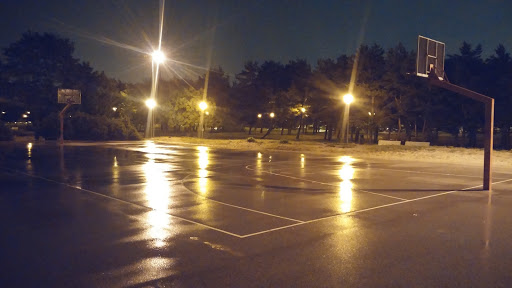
pixel 347 172
pixel 203 105
pixel 346 159
pixel 272 115
pixel 29 150
pixel 348 98
pixel 202 172
pixel 158 56
pixel 346 196
pixel 303 109
pixel 151 103
pixel 259 115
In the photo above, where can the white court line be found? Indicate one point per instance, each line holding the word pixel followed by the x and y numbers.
pixel 126 202
pixel 235 206
pixel 323 183
pixel 367 209
pixel 433 173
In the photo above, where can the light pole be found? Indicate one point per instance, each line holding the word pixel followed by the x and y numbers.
pixel 347 98
pixel 302 110
pixel 151 104
pixel 203 107
pixel 259 121
pixel 157 58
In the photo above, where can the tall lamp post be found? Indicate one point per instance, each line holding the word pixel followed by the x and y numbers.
pixel 157 58
pixel 151 104
pixel 347 99
pixel 203 107
pixel 259 121
pixel 302 110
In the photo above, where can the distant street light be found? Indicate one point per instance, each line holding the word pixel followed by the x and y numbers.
pixel 302 110
pixel 202 106
pixel 272 114
pixel 114 109
pixel 151 103
pixel 348 99
pixel 259 115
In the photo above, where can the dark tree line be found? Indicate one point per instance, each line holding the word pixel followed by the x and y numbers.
pixel 388 95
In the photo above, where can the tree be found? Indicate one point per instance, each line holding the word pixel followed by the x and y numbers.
pixel 35 66
pixel 466 69
pixel 246 93
pixel 219 88
pixel 499 86
pixel 38 64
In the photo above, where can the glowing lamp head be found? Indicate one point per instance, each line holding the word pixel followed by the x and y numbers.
pixel 114 109
pixel 203 105
pixel 303 109
pixel 151 103
pixel 272 115
pixel 259 115
pixel 348 98
pixel 158 56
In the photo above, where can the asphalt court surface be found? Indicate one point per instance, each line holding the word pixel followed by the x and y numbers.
pixel 243 194
pixel 144 214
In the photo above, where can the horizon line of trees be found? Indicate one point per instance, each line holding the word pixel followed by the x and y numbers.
pixel 387 93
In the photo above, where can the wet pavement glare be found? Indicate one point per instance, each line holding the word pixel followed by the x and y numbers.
pixel 144 214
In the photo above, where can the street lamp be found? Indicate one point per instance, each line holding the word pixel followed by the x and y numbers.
pixel 151 104
pixel 202 106
pixel 272 114
pixel 158 56
pixel 347 98
pixel 302 110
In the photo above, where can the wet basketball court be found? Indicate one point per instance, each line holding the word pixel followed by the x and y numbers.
pixel 144 214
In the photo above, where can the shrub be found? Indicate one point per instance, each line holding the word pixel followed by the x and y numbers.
pixel 88 127
pixel 131 131
pixel 116 129
pixel 251 140
pixel 82 126
pixel 49 127
pixel 283 141
pixel 5 133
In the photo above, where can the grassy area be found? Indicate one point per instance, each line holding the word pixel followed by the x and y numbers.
pixel 315 144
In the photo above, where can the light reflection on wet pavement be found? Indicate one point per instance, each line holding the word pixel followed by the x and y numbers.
pixel 125 214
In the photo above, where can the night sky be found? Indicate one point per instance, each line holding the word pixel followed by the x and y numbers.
pixel 250 30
